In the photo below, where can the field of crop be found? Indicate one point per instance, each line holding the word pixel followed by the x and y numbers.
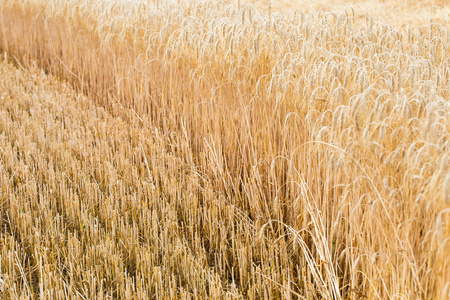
pixel 393 12
pixel 224 150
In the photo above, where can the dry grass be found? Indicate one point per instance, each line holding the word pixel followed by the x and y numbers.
pixel 198 150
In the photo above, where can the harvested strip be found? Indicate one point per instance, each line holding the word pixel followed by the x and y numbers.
pixel 94 205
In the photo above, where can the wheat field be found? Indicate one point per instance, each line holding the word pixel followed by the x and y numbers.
pixel 224 150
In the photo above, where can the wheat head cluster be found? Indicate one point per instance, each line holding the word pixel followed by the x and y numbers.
pixel 220 150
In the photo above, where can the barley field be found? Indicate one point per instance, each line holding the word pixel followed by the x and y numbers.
pixel 224 149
